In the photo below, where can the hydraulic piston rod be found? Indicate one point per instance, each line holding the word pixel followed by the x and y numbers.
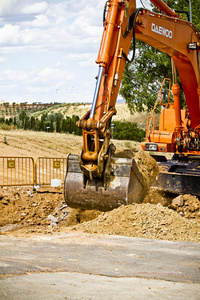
pixel 96 92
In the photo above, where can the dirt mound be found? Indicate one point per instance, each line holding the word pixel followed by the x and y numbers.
pixel 155 196
pixel 144 221
pixel 23 212
pixel 146 164
pixel 187 206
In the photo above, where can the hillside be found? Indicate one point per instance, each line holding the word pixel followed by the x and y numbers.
pixel 68 110
pixel 34 144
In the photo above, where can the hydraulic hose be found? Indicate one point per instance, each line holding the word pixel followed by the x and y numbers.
pixel 134 18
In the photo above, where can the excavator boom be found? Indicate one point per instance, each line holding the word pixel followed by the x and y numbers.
pixel 104 182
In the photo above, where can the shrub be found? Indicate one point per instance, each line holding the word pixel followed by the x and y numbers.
pixel 127 131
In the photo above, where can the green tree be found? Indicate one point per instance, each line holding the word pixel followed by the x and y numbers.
pixel 51 126
pixel 42 123
pixel 23 118
pixel 183 5
pixel 127 131
pixel 37 124
pixel 27 123
pixel 2 120
pixel 32 123
pixel 59 118
pixel 15 121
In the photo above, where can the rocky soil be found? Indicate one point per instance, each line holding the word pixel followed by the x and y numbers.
pixel 24 211
pixel 145 220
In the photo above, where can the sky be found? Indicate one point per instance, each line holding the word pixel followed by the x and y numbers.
pixel 48 49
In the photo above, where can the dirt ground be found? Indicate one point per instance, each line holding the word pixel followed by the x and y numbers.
pixel 24 211
pixel 34 144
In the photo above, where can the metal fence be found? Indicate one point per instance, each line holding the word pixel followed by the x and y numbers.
pixel 18 171
pixel 48 168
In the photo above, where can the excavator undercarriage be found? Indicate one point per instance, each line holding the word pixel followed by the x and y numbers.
pixel 179 175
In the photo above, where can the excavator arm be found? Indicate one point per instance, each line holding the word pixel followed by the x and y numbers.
pixel 95 178
pixel 115 43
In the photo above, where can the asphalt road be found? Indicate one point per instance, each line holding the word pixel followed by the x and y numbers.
pixel 80 266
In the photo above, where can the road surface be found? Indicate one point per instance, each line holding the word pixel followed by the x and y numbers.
pixel 82 266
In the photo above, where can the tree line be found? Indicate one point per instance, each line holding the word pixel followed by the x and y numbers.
pixel 57 123
pixel 47 122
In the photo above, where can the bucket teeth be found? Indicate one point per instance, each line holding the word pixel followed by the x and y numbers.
pixel 125 186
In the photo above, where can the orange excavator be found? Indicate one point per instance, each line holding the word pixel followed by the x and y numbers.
pixel 96 179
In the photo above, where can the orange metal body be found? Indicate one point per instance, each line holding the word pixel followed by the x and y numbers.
pixel 164 7
pixel 110 55
pixel 172 36
pixel 167 33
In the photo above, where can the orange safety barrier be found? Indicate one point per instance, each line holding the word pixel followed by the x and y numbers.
pixel 16 171
pixel 22 171
pixel 48 168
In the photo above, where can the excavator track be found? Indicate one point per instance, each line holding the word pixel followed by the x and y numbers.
pixel 126 186
pixel 179 176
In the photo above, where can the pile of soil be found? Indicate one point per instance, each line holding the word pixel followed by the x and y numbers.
pixel 145 221
pixel 24 211
pixel 187 206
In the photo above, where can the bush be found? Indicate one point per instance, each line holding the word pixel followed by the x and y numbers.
pixel 127 131
pixel 5 126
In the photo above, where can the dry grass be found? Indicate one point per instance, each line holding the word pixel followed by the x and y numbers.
pixel 35 144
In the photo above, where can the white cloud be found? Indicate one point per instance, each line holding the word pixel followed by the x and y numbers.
pixel 35 8
pixel 53 74
pixel 9 34
pixel 39 21
pixel 49 45
pixel 61 26
pixel 20 7
pixel 2 59
pixel 12 75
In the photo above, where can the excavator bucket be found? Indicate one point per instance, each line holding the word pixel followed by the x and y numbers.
pixel 126 185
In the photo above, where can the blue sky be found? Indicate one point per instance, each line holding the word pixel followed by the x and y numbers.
pixel 48 49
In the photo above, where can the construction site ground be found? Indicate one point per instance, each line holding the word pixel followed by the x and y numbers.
pixel 50 251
